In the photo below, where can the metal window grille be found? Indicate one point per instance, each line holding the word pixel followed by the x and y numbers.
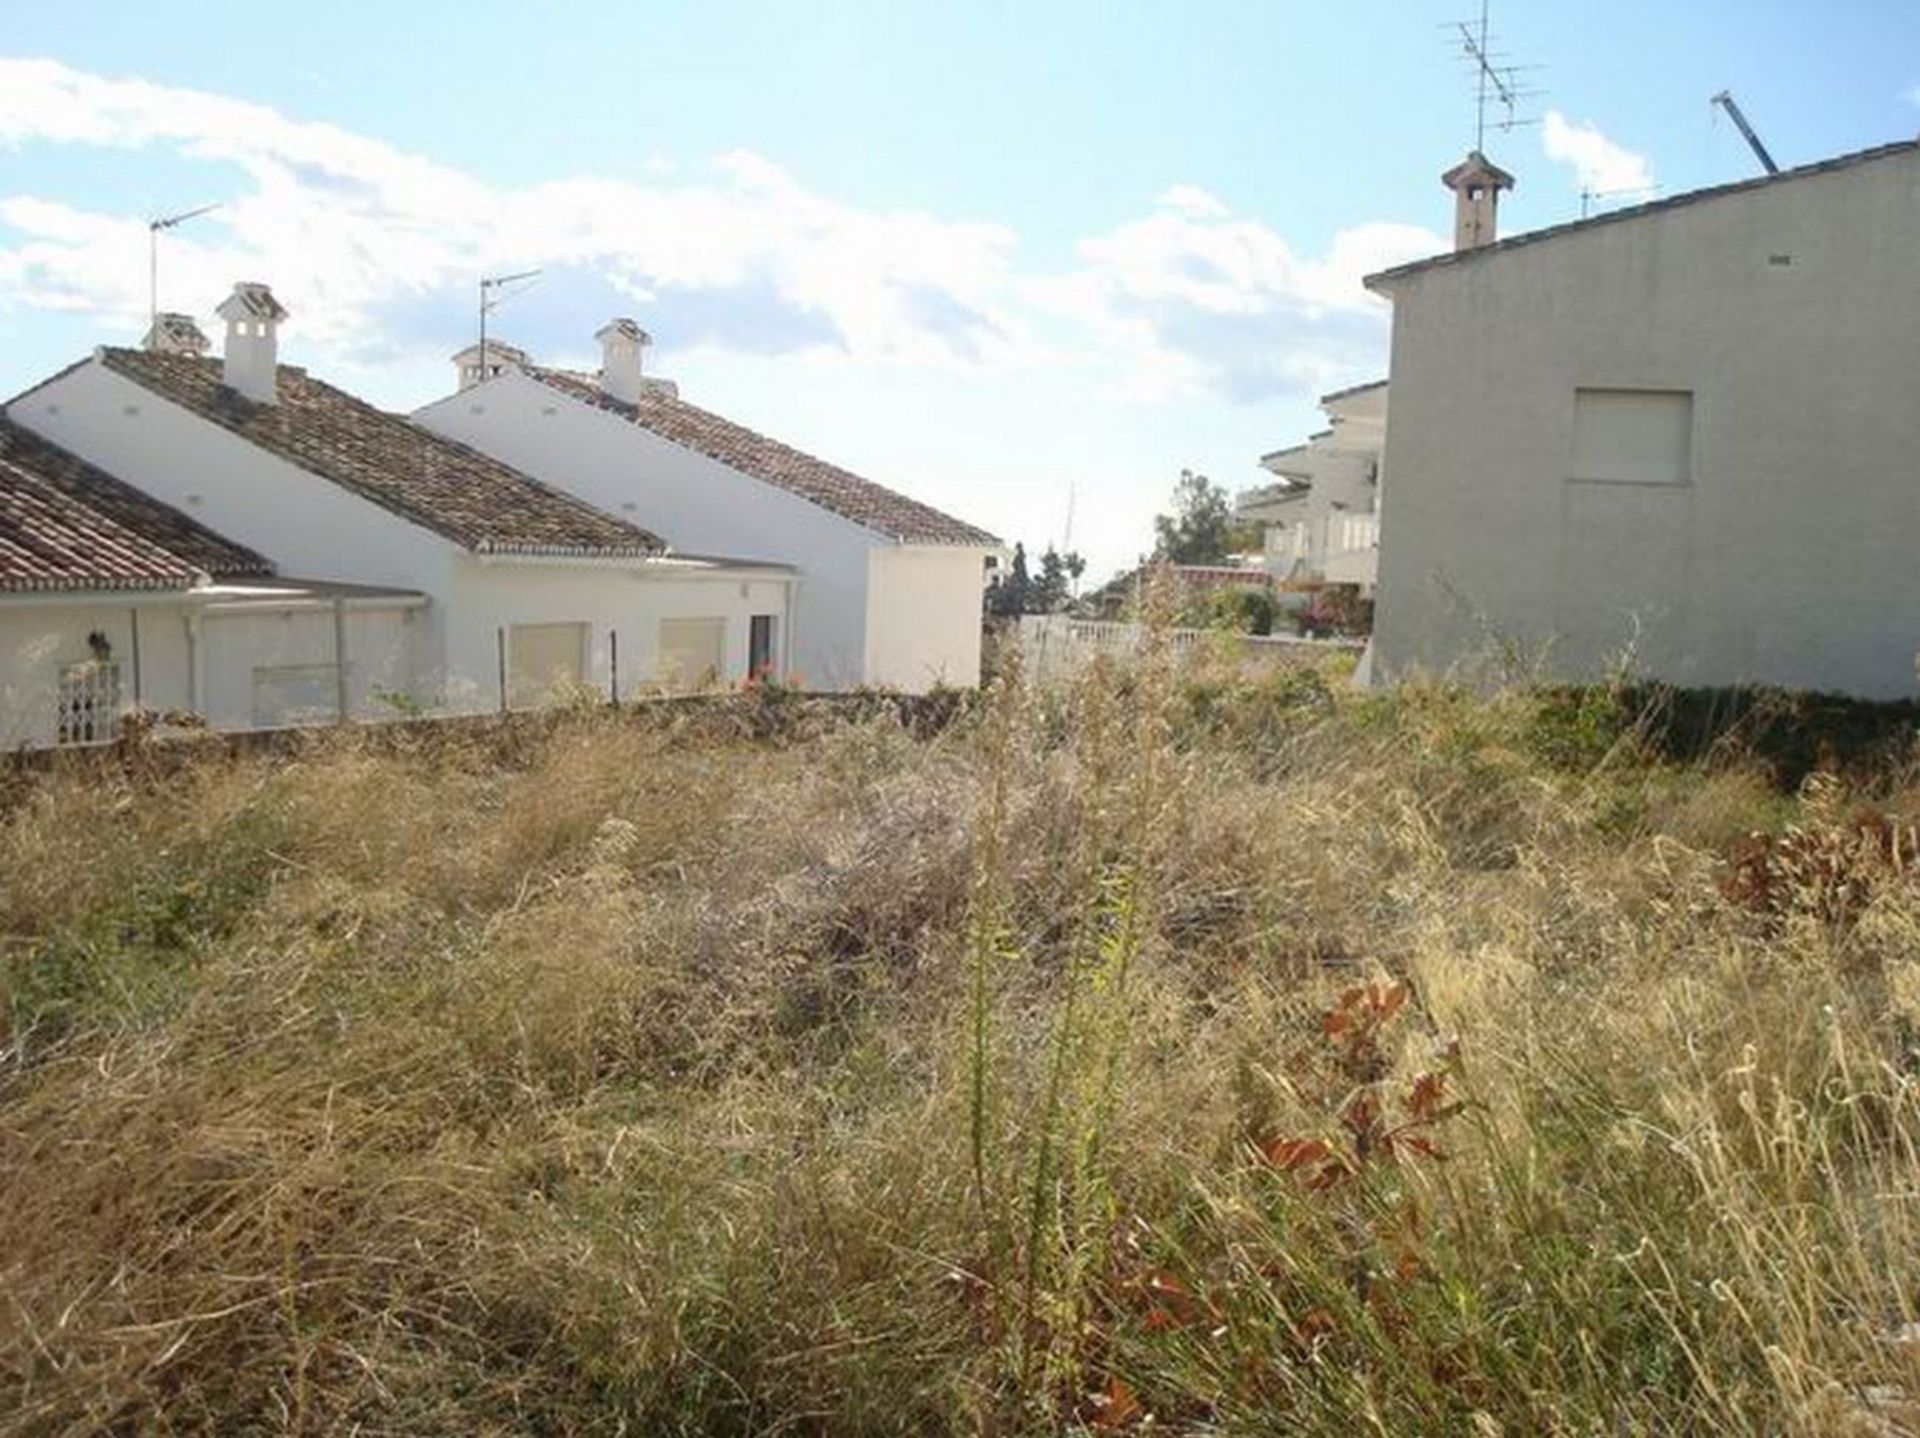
pixel 89 702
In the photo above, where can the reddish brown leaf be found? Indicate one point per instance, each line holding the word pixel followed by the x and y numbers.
pixel 1428 1090
pixel 1317 1324
pixel 1294 1153
pixel 1117 1407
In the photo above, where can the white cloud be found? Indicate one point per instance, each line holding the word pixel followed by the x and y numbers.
pixel 1204 301
pixel 346 227
pixel 376 252
pixel 1913 95
pixel 1193 202
pixel 1602 166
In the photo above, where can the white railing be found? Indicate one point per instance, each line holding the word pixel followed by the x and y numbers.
pixel 1054 644
pixel 1356 532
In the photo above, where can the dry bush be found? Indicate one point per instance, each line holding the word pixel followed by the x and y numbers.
pixel 761 1068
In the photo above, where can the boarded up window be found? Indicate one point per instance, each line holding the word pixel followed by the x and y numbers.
pixel 289 694
pixel 693 653
pixel 1633 436
pixel 543 661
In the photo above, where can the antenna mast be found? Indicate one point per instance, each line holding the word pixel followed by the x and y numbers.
pixel 1726 102
pixel 494 293
pixel 1493 83
pixel 154 227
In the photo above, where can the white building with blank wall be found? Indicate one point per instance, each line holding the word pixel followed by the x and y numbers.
pixel 1683 435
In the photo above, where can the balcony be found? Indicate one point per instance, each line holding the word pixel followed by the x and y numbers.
pixel 1353 550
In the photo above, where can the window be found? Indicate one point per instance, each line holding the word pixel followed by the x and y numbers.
pixel 1633 436
pixel 543 660
pixel 693 653
pixel 760 655
pixel 288 694
pixel 88 702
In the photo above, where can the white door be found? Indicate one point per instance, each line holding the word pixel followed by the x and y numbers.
pixel 544 660
pixel 693 653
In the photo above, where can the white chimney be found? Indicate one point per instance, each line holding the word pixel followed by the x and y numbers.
pixel 252 357
pixel 623 346
pixel 175 335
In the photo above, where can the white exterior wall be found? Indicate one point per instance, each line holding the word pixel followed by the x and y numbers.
pixel 193 655
pixel 627 602
pixel 39 634
pixel 701 506
pixel 1790 556
pixel 444 656
pixel 382 655
pixel 923 617
pixel 309 527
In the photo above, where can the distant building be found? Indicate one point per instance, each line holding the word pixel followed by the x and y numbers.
pixel 1322 520
pixel 1683 434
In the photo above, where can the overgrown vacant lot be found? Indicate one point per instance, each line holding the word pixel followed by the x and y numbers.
pixel 1173 1053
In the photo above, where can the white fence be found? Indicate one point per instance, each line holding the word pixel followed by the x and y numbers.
pixel 1054 644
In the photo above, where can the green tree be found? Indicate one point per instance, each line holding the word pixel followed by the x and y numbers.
pixel 1008 598
pixel 1201 529
pixel 1051 591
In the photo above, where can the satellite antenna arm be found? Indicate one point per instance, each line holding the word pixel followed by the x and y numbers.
pixel 492 292
pixel 1726 102
pixel 154 227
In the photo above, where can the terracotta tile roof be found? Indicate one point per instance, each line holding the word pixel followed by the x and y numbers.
pixel 434 482
pixel 66 525
pixel 837 490
pixel 1385 278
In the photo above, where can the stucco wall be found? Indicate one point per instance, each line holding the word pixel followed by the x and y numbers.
pixel 696 504
pixel 627 602
pixel 923 617
pixel 309 527
pixel 381 655
pixel 1792 314
pixel 38 637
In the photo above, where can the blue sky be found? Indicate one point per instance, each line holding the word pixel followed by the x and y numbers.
pixel 990 253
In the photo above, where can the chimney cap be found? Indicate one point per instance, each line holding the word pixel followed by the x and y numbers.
pixel 251 300
pixel 622 328
pixel 174 333
pixel 498 352
pixel 1477 169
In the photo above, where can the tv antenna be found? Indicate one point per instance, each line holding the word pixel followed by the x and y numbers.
pixel 154 227
pixel 493 294
pixel 1726 102
pixel 1494 83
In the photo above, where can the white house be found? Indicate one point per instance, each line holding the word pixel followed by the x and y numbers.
pixel 888 589
pixel 110 601
pixel 1683 434
pixel 1322 518
pixel 511 588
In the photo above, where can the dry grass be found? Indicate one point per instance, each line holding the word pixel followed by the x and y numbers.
pixel 666 1078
